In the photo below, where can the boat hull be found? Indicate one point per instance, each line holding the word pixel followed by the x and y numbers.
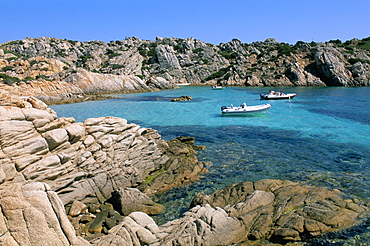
pixel 277 97
pixel 245 110
pixel 218 87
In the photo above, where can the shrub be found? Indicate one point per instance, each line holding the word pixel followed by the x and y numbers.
pixel 42 76
pixel 142 51
pixel 218 74
pixel 197 50
pixel 285 49
pixel 72 42
pixel 28 78
pixel 337 41
pixel 205 61
pixel 354 60
pixel 117 66
pixel 111 53
pixel 85 58
pixel 229 54
pixel 9 80
pixel 7 68
pixel 179 48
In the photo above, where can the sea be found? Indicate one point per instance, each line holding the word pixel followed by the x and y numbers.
pixel 321 137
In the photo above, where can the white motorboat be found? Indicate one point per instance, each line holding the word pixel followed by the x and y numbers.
pixel 217 87
pixel 272 95
pixel 244 109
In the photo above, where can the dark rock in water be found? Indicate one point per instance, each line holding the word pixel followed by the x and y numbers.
pixel 181 99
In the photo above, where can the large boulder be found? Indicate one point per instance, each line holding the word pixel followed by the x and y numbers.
pixel 131 200
pixel 33 214
pixel 283 211
pixel 332 68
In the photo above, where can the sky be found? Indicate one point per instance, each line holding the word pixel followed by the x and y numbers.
pixel 211 21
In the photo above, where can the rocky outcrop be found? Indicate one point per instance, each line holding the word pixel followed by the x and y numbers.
pixel 131 200
pixel 181 99
pixel 93 83
pixel 84 161
pixel 134 65
pixel 33 214
pixel 61 179
pixel 331 65
pixel 280 211
pixel 283 211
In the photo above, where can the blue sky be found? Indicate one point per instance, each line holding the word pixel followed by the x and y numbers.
pixel 212 21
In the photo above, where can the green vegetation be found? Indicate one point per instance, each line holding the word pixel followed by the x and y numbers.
pixel 28 78
pixel 337 41
pixel 17 42
pixel 112 54
pixel 42 76
pixel 364 44
pixel 285 49
pixel 205 61
pixel 72 42
pixel 179 48
pixel 140 76
pixel 354 60
pixel 197 50
pixel 229 54
pixel 9 80
pixel 85 58
pixel 33 62
pixel 147 50
pixel 219 73
pixel 7 68
pixel 150 178
pixel 117 66
pixel 353 44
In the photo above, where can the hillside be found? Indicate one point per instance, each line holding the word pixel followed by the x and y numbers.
pixel 64 68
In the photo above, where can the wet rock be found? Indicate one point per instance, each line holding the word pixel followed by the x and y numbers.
pixel 182 99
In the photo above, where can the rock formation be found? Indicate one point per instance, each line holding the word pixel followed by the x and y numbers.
pixel 182 99
pixel 33 214
pixel 32 66
pixel 68 183
pixel 85 161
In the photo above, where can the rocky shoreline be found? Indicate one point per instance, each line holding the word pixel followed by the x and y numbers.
pixel 64 182
pixel 57 70
pixel 69 183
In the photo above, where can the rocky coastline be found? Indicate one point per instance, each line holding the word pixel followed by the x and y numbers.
pixel 68 183
pixel 64 182
pixel 56 70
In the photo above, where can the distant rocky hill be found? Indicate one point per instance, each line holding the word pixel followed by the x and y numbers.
pixel 66 68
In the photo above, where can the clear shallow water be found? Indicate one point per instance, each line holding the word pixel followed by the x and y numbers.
pixel 321 137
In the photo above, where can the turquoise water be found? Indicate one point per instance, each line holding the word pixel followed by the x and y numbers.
pixel 321 137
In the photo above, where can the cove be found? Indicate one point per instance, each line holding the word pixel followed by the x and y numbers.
pixel 321 137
